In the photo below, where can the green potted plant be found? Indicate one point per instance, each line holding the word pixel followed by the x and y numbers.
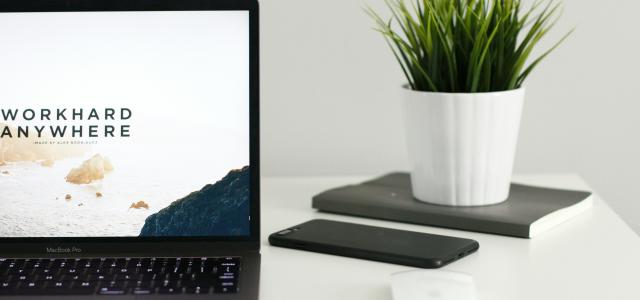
pixel 465 62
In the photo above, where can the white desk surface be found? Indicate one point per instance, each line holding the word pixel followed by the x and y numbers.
pixel 593 256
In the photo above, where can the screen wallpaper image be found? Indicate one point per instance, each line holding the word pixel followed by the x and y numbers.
pixel 122 124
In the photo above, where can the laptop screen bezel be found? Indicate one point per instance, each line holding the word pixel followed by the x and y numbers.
pixel 90 246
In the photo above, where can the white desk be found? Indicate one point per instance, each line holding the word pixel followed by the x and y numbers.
pixel 593 256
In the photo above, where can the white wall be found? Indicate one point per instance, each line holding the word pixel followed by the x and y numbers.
pixel 331 103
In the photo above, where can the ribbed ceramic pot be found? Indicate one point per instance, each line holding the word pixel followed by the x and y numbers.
pixel 462 146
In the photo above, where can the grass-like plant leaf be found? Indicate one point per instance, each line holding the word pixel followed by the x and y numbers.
pixel 467 46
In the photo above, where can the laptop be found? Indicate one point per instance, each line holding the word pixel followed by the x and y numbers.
pixel 129 161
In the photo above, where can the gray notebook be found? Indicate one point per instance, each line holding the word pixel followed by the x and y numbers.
pixel 529 211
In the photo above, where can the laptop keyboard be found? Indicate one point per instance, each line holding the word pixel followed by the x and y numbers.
pixel 119 276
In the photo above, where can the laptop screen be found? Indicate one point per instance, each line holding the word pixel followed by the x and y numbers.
pixel 124 124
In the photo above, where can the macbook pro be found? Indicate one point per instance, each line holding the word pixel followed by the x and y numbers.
pixel 129 161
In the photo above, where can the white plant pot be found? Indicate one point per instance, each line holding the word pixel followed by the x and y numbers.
pixel 462 146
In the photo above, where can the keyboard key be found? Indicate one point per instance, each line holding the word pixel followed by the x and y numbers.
pixel 70 271
pixel 169 284
pixel 114 284
pixel 85 284
pixel 124 271
pixel 169 290
pixel 59 264
pixel 197 290
pixel 228 284
pixel 122 263
pixel 94 277
pixel 73 277
pixel 192 264
pixel 142 263
pixel 202 285
pixel 47 277
pixel 83 263
pixel 228 267
pixel 109 263
pixel 22 277
pixel 143 284
pixel 17 263
pixel 227 276
pixel 175 277
pixel 96 271
pixel 148 277
pixel 226 287
pixel 125 277
pixel 112 291
pixel 7 288
pixel 31 285
pixel 143 291
pixel 58 285
pixel 225 290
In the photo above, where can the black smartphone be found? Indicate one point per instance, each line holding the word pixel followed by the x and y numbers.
pixel 402 247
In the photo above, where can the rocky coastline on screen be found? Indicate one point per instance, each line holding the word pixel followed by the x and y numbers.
pixel 91 170
pixel 220 209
